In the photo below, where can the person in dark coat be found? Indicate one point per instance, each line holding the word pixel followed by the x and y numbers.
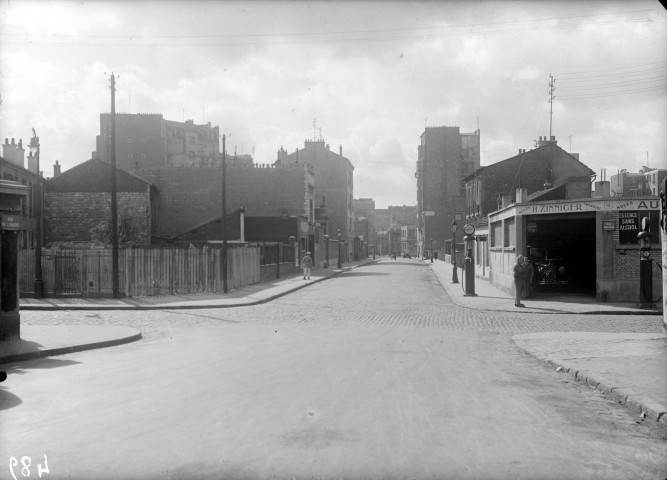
pixel 519 281
pixel 530 272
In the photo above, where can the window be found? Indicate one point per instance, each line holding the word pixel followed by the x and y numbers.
pixel 496 234
pixel 509 237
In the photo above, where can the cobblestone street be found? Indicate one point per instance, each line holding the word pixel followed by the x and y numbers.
pixel 413 298
pixel 374 373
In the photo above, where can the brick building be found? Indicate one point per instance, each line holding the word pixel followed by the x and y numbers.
pixel 445 157
pixel 190 196
pixel 364 223
pixel 149 141
pixel 545 167
pixel 80 199
pixel 636 184
pixel 13 167
pixel 333 183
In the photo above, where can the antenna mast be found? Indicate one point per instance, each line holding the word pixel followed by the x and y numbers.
pixel 552 87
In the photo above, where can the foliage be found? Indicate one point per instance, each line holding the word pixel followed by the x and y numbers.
pixel 128 229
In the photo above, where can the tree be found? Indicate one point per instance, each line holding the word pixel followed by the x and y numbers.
pixel 128 229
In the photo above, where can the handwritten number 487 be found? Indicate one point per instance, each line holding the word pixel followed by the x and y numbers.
pixel 26 462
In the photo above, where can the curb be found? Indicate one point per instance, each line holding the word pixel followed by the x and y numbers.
pixel 19 357
pixel 134 308
pixel 527 310
pixel 626 397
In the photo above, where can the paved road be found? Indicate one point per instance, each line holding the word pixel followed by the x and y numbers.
pixel 373 374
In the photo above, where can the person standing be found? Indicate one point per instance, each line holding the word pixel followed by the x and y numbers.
pixel 307 265
pixel 528 266
pixel 519 281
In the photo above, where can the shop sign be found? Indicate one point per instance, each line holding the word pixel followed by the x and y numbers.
pixel 10 222
pixel 304 227
pixel 531 227
pixel 628 227
pixel 588 206
pixel 608 225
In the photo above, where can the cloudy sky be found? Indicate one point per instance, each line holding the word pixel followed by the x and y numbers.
pixel 365 75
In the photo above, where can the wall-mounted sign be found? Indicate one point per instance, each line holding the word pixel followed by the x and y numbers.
pixel 429 213
pixel 608 225
pixel 304 227
pixel 10 222
pixel 628 227
pixel 531 227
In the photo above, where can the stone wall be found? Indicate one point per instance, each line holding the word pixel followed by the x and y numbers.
pixel 69 216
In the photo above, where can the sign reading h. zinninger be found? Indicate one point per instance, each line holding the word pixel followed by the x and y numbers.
pixel 578 206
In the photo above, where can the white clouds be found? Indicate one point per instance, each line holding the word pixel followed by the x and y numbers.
pixel 369 72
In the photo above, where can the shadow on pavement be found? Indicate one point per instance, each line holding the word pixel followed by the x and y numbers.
pixel 20 367
pixel 358 273
pixel 8 400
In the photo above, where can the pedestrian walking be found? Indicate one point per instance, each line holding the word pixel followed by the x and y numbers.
pixel 530 273
pixel 519 281
pixel 307 265
pixel 435 255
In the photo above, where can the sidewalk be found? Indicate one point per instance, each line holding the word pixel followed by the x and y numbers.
pixel 627 367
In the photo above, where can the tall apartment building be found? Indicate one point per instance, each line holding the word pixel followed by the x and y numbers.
pixel 445 156
pixel 364 214
pixel 145 141
pixel 333 183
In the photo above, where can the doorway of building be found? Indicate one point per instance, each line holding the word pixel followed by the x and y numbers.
pixel 562 251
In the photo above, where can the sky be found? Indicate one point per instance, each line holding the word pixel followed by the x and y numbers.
pixel 365 75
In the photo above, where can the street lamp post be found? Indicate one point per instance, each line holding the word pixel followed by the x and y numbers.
pixel 292 242
pixel 340 265
pixel 326 245
pixel 431 238
pixel 455 276
pixel 39 214
pixel 645 267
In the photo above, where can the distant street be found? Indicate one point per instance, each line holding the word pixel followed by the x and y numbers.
pixel 371 374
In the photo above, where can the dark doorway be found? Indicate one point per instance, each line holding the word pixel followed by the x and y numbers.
pixel 562 251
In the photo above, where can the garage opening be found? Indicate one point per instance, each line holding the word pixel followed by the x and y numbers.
pixel 561 249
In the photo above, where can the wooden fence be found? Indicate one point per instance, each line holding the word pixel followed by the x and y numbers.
pixel 141 271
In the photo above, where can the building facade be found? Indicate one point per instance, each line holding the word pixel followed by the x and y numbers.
pixel 445 157
pixel 364 214
pixel 630 184
pixel 145 141
pixel 79 200
pixel 334 183
pixel 13 167
pixel 545 167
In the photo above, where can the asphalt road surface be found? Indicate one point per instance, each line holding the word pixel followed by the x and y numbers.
pixel 372 374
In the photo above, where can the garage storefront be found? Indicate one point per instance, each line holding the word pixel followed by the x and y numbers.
pixel 577 247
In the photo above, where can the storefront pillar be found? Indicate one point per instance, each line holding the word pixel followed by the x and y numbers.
pixel 11 197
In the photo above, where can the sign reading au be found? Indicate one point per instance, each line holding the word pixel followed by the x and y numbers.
pixel 628 227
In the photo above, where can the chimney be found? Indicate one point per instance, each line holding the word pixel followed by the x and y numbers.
pixel 340 149
pixel 521 195
pixel 14 153
pixel 56 169
pixel 507 200
pixel 602 189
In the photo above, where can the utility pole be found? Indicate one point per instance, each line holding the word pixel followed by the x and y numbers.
pixel 552 87
pixel 224 215
pixel 114 206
